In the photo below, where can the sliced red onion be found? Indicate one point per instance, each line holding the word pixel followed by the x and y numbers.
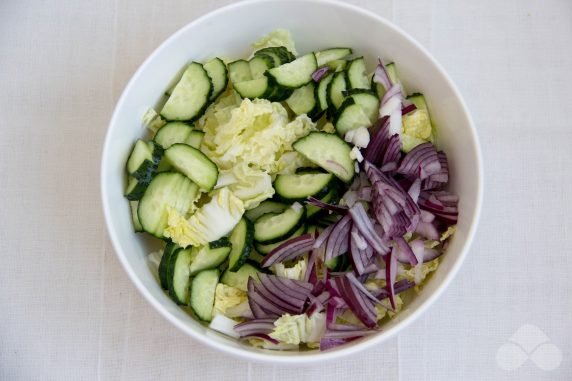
pixel 323 205
pixel 282 296
pixel 405 253
pixel 399 287
pixel 408 108
pixel 365 227
pixel 394 209
pixel 427 230
pixel 427 216
pixel 262 336
pixel 381 76
pixel 415 190
pixel 361 287
pixel 323 237
pixel 441 203
pixel 439 179
pixel 256 309
pixel 319 73
pixel 255 326
pixel 375 148
pixel 394 91
pixel 392 150
pixel 362 307
pixel 289 250
pixel 339 238
pixel 421 162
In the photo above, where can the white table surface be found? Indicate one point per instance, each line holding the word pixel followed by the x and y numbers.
pixel 67 308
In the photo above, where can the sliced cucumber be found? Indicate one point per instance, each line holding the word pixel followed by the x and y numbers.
pixel 357 75
pixel 167 189
pixel 179 276
pixel 217 72
pixel 328 151
pixel 203 289
pixel 351 116
pixel 339 263
pixel 191 96
pixel 254 88
pixel 392 72
pixel 271 228
pixel 278 93
pixel 143 161
pixel 259 64
pixel 267 248
pixel 325 56
pixel 239 71
pixel 418 100
pixel 134 217
pixel 299 187
pixel 306 170
pixel 163 271
pixel 194 164
pixel 135 189
pixel 368 101
pixel 303 101
pixel 177 132
pixel 335 92
pixel 295 74
pixel 265 207
pixel 210 256
pixel 239 279
pixel 338 65
pixel 280 54
pixel 322 91
pixel 241 238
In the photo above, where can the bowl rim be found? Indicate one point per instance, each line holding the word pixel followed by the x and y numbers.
pixel 310 357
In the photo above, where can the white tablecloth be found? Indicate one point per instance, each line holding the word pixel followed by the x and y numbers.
pixel 67 308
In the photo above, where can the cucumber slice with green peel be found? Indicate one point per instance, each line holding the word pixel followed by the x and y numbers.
pixel 135 189
pixel 279 93
pixel 203 288
pixel 325 56
pixel 337 65
pixel 254 88
pixel 163 271
pixel 351 116
pixel 303 100
pixel 270 56
pixel 322 91
pixel 259 64
pixel 335 92
pixel 294 74
pixel 191 95
pixel 267 248
pixel 239 279
pixel 392 72
pixel 280 54
pixel 272 228
pixel 134 217
pixel 330 152
pixel 368 101
pixel 418 100
pixel 239 71
pixel 299 187
pixel 210 255
pixel 242 238
pixel 217 72
pixel 194 164
pixel 179 276
pixel 167 189
pixel 306 170
pixel 265 207
pixel 143 161
pixel 357 74
pixel 178 132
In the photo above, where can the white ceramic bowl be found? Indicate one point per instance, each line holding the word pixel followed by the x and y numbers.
pixel 315 25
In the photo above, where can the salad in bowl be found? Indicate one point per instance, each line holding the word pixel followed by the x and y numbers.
pixel 300 197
